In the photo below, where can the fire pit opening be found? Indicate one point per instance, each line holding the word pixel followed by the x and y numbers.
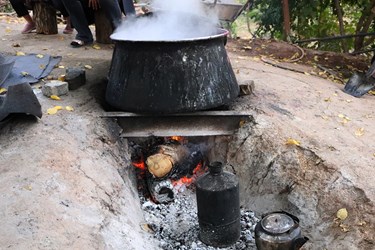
pixel 166 169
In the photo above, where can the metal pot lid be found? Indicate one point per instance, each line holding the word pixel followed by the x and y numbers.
pixel 277 223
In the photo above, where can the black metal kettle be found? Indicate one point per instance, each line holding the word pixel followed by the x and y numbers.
pixel 279 231
pixel 218 205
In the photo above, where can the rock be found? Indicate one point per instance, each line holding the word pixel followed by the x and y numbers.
pixel 76 77
pixel 55 87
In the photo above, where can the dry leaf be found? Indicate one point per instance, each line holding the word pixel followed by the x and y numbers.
pixel 20 53
pixel 28 187
pixel 361 223
pixel 95 46
pixel 55 97
pixel 2 90
pixel 324 117
pixel 8 30
pixel 40 56
pixel 342 214
pixel 61 78
pixel 58 107
pixel 291 141
pixel 69 108
pixel 16 45
pixel 61 67
pixel 52 111
pixel 372 92
pixel 360 132
pixel 24 73
pixel 327 99
pixel 344 228
pixel 306 73
pixel 316 58
pixel 88 66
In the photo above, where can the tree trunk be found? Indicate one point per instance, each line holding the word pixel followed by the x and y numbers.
pixel 344 44
pixel 286 17
pixel 103 27
pixel 368 15
pixel 45 18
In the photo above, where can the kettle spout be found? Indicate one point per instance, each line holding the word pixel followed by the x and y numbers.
pixel 299 242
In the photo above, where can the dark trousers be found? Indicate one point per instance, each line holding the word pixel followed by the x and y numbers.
pixel 22 10
pixel 76 10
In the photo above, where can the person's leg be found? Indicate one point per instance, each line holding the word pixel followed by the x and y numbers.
pixel 21 10
pixel 79 21
pixel 58 4
pixel 112 10
pixel 128 7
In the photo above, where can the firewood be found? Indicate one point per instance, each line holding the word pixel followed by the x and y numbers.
pixel 159 164
pixel 176 151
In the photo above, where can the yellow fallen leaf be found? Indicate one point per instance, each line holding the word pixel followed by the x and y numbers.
pixel 61 67
pixel 28 187
pixel 52 111
pixel 2 90
pixel 58 107
pixel 306 73
pixel 20 53
pixel 61 78
pixel 88 66
pixel 40 56
pixel 372 92
pixel 8 30
pixel 24 73
pixel 95 46
pixel 341 115
pixel 316 58
pixel 342 213
pixel 69 108
pixel 360 132
pixel 348 101
pixel 55 97
pixel 327 99
pixel 361 223
pixel 291 141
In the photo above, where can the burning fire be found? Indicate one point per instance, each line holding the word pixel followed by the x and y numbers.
pixel 140 165
pixel 177 138
pixel 189 180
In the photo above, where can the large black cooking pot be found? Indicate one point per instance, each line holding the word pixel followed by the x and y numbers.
pixel 171 76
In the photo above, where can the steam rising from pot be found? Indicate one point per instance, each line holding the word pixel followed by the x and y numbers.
pixel 170 20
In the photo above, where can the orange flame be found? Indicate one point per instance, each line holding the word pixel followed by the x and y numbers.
pixel 188 180
pixel 177 138
pixel 141 165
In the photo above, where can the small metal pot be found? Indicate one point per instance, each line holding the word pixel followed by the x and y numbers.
pixel 279 231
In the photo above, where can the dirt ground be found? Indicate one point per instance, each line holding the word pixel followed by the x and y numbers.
pixel 60 185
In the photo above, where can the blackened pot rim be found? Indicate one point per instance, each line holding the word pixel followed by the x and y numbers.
pixel 220 33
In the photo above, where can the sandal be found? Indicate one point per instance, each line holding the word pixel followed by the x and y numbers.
pixel 68 31
pixel 29 27
pixel 79 43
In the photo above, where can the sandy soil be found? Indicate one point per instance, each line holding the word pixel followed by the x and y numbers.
pixel 60 185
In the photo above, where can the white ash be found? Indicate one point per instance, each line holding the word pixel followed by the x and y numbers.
pixel 175 225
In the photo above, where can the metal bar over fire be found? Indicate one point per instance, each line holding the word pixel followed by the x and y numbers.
pixel 204 123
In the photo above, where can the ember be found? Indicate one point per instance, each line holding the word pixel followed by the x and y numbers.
pixel 171 164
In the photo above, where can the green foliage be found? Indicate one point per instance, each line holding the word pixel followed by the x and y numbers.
pixel 309 19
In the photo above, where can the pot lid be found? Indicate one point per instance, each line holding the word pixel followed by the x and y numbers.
pixel 277 223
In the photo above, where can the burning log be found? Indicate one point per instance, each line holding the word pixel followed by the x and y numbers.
pixel 161 163
pixel 168 163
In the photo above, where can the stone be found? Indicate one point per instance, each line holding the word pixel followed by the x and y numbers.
pixel 55 87
pixel 76 77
